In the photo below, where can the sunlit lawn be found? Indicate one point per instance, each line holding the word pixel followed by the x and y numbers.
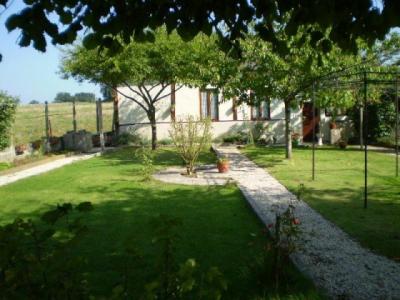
pixel 218 227
pixel 337 192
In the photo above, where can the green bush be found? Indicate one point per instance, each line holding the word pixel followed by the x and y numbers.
pixel 8 105
pixel 165 142
pixel 236 138
pixel 127 138
pixel 381 118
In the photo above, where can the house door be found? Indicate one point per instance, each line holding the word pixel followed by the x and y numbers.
pixel 309 122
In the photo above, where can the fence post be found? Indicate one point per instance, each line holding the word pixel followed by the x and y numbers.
pixel 365 141
pixel 47 129
pixel 74 115
pixel 99 118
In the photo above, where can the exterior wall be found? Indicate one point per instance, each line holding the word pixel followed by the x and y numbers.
pixel 132 117
pixel 7 155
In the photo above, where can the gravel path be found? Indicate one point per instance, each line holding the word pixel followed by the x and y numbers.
pixel 206 175
pixel 337 264
pixel 12 177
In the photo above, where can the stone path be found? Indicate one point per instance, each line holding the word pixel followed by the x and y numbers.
pixel 337 264
pixel 206 175
pixel 36 170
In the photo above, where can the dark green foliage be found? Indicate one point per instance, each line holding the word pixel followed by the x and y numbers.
pixel 341 24
pixel 8 107
pixel 34 102
pixel 381 118
pixel 127 138
pixel 78 97
pixel 30 256
pixel 218 228
pixel 180 281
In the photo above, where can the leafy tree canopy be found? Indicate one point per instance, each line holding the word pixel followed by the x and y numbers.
pixel 34 102
pixel 147 69
pixel 339 22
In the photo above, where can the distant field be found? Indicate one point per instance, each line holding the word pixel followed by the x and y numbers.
pixel 30 123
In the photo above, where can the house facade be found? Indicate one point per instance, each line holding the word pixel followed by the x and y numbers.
pixel 227 116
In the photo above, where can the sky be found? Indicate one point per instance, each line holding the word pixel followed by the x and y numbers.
pixel 30 74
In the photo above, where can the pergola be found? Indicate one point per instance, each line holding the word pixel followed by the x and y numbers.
pixel 361 80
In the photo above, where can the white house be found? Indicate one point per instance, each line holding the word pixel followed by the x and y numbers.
pixel 227 117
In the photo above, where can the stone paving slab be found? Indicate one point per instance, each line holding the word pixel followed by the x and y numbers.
pixel 43 168
pixel 332 259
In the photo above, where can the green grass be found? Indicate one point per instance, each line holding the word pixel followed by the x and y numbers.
pixel 218 227
pixel 29 122
pixel 4 166
pixel 337 192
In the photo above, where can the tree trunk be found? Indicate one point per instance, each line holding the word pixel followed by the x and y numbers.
pixel 152 118
pixel 288 134
pixel 115 112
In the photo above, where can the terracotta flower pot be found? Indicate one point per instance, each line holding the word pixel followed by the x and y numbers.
pixel 223 166
pixel 20 149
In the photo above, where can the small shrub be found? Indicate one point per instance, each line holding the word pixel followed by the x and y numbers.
pixel 35 263
pixel 146 157
pixel 127 138
pixel 180 281
pixel 257 131
pixel 8 106
pixel 236 138
pixel 283 243
pixel 165 142
pixel 190 137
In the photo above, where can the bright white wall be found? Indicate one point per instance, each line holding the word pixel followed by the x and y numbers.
pixel 187 102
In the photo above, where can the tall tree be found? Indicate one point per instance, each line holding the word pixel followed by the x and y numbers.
pixel 147 69
pixel 284 77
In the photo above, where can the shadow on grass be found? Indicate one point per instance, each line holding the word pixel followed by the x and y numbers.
pixel 218 227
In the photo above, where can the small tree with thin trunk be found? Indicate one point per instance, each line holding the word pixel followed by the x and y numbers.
pixel 190 137
pixel 148 70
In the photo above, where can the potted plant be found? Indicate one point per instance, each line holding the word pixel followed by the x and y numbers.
pixel 223 165
pixel 20 149
pixel 36 144
pixel 296 139
pixel 342 144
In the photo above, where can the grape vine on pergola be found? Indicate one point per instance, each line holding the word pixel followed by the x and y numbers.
pixel 361 80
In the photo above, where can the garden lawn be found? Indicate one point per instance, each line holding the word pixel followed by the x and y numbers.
pixel 218 228
pixel 337 192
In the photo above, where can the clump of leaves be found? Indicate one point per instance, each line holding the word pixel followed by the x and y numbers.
pixel 180 281
pixel 30 256
pixel 190 137
pixel 146 157
pixel 283 242
pixel 8 106
pixel 301 190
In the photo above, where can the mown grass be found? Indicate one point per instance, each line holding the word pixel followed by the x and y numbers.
pixel 218 228
pixel 29 123
pixel 337 192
